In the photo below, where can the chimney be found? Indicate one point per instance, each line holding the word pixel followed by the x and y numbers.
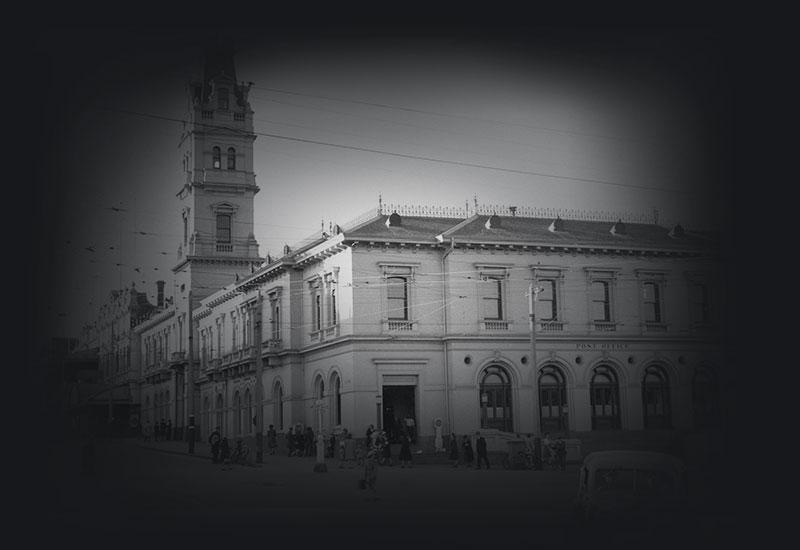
pixel 160 298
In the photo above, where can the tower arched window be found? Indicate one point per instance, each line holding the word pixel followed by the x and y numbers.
pixel 223 101
pixel 655 398
pixel 223 228
pixel 553 415
pixel 604 396
pixel 495 399
pixel 216 157
pixel 231 158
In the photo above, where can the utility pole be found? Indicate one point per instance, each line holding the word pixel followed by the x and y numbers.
pixel 190 376
pixel 532 292
pixel 259 383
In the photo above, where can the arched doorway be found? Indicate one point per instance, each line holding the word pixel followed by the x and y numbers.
pixel 553 413
pixel 604 396
pixel 655 398
pixel 495 399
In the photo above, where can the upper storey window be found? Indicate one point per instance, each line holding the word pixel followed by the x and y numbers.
pixel 217 157
pixel 223 102
pixel 223 228
pixel 231 158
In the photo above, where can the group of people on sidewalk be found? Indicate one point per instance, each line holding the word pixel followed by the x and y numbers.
pixel 160 431
pixel 460 451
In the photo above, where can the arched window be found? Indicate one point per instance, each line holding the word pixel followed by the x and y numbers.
pixel 336 408
pixel 231 158
pixel 495 399
pixel 217 157
pixel 553 415
pixel 219 409
pixel 277 414
pixel 604 396
pixel 655 398
pixel 248 412
pixel 319 388
pixel 237 414
pixel 705 399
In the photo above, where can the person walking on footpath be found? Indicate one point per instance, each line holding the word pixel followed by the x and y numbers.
pixel 147 431
pixel 480 446
pixel 454 450
pixel 225 453
pixel 272 439
pixel 162 428
pixel 405 451
pixel 309 442
pixel 350 451
pixel 289 442
pixel 214 440
pixel 466 444
pixel 168 430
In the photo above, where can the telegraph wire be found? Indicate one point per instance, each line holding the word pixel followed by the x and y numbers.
pixel 409 156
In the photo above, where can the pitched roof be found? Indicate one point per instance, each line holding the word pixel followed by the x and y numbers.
pixel 529 231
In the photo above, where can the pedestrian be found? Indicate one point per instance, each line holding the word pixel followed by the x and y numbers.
pixel 225 452
pixel 371 473
pixel 386 449
pixel 342 448
pixel 405 451
pixel 480 446
pixel 466 444
pixel 454 449
pixel 168 430
pixel 330 451
pixel 411 428
pixel 163 429
pixel 214 440
pixel 370 429
pixel 272 439
pixel 299 441
pixel 147 431
pixel 350 451
pixel 561 455
pixel 289 442
pixel 309 441
pixel 156 431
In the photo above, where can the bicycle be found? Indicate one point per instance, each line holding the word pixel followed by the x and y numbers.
pixel 240 453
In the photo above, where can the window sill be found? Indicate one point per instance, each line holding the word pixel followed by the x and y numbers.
pixel 655 327
pixel 604 326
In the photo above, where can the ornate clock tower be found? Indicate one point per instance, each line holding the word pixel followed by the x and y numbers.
pixel 216 198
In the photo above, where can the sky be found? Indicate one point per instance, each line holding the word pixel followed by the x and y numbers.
pixel 613 119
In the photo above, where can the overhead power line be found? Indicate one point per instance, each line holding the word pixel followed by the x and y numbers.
pixel 415 157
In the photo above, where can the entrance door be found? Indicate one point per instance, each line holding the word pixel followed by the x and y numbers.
pixel 398 407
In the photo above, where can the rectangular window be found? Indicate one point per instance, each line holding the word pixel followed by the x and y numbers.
pixel 546 300
pixel 223 228
pixel 601 303
pixel 317 313
pixel 492 298
pixel 397 296
pixel 651 291
pixel 275 320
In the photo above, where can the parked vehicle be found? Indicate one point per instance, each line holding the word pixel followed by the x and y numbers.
pixel 631 486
